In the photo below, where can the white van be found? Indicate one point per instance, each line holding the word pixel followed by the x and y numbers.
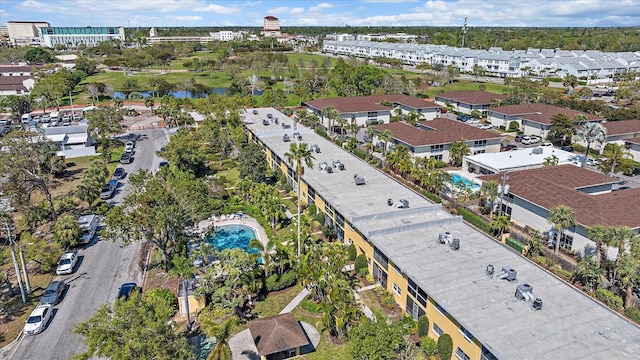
pixel 26 118
pixel 89 226
pixel 55 118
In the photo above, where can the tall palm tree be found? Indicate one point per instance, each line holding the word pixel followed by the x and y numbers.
pixel 629 269
pixel 489 189
pixel 500 224
pixel 562 217
pixel 591 132
pixel 298 156
pixel 331 114
pixel 616 153
pixel 385 137
pixel 413 118
pixel 457 151
pixel 622 238
pixel 597 233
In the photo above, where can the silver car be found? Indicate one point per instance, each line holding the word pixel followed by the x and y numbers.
pixel 53 293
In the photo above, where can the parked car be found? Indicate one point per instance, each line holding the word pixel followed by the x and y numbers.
pixel 37 321
pixel 66 118
pixel 510 147
pixel 45 118
pixel 126 289
pixel 108 189
pixel 546 144
pixel 473 121
pixel 568 148
pixel 486 127
pixel 89 226
pixel 519 138
pixel 67 263
pixel 592 162
pixel 126 158
pixel 635 171
pixel 53 293
pixel 527 140
pixel 119 173
pixel 77 117
pixel 130 144
pixel 128 149
pixel 463 117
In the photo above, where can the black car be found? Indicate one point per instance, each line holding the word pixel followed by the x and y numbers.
pixel 635 171
pixel 126 158
pixel 119 173
pixel 53 293
pixel 519 137
pixel 126 289
pixel 568 148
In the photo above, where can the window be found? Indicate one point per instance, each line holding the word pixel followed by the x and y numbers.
pixel 436 148
pixel 417 293
pixel 566 241
pixel 396 268
pixel 413 310
pixel 461 355
pixel 487 355
pixel 372 114
pixel 479 152
pixel 380 258
pixel 437 330
pixel 437 157
pixel 439 309
pixel 480 143
pixel 466 333
pixel 396 289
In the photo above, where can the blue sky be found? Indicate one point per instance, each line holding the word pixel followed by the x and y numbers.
pixel 160 13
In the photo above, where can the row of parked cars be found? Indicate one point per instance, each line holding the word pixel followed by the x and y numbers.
pixel 468 119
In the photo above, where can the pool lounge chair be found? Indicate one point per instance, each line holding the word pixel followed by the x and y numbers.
pixel 232 216
pixel 223 217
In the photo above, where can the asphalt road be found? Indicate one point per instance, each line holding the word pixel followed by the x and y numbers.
pixel 103 267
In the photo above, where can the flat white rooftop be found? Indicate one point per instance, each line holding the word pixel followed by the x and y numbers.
pixel 521 159
pixel 570 325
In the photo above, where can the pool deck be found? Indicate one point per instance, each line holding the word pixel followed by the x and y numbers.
pixel 204 225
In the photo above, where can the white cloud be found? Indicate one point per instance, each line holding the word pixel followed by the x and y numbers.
pixel 389 1
pixel 279 10
pixel 295 11
pixel 219 9
pixel 320 7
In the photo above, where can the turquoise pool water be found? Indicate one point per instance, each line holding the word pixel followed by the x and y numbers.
pixel 233 236
pixel 461 181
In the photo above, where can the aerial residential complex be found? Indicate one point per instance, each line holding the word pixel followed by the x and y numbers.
pixel 494 303
pixel 593 65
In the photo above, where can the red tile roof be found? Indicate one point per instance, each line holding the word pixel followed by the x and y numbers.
pixel 370 103
pixel 472 97
pixel 551 186
pixel 443 131
pixel 622 127
pixel 540 113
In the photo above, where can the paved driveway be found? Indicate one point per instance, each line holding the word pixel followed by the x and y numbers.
pixel 103 267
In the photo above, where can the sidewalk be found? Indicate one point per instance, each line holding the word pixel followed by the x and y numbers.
pixel 365 309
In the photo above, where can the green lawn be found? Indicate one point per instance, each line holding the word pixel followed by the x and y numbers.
pixel 464 85
pixel 275 302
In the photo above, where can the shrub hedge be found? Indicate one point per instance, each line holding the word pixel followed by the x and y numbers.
pixel 361 154
pixel 515 244
pixel 428 345
pixel 351 250
pixel 361 263
pixel 320 131
pixel 613 301
pixel 431 196
pixel 277 282
pixel 423 326
pixel 633 313
pixel 445 347
pixel 475 220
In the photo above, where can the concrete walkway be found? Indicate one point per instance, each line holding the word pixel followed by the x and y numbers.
pixel 296 300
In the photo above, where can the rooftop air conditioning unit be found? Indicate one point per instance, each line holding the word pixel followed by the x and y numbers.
pixel 269 116
pixel 490 269
pixel 511 273
pixel 445 237
pixel 524 291
pixel 341 166
pixel 275 121
pixel 286 138
pixel 537 304
pixel 323 166
pixel 390 202
pixel 358 180
pixel 316 148
pixel 455 244
pixel 336 163
pixel 265 122
pixel 403 204
pixel 296 135
pixel 329 169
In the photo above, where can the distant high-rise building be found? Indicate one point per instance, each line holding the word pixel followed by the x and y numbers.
pixel 153 32
pixel 22 33
pixel 271 27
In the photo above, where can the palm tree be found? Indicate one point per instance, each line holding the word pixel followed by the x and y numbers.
pixel 629 269
pixel 300 155
pixel 550 161
pixel 588 273
pixel 622 238
pixel 616 153
pixel 591 132
pixel 222 333
pixel 457 151
pixel 500 224
pixel 385 137
pixel 332 114
pixel 413 118
pixel 597 234
pixel 489 189
pixel 562 217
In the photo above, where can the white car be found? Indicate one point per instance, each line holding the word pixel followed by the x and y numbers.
pixel 592 162
pixel 473 121
pixel 486 127
pixel 527 140
pixel 67 263
pixel 38 319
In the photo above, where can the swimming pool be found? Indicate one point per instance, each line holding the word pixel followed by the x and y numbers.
pixel 461 181
pixel 233 236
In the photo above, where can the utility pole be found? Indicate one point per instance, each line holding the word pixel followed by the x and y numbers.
pixel 503 189
pixel 15 263
pixel 24 270
pixel 464 30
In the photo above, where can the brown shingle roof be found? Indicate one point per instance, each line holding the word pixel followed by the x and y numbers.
pixel 551 186
pixel 13 82
pixel 635 140
pixel 442 131
pixel 540 113
pixel 472 97
pixel 622 127
pixel 277 333
pixel 369 103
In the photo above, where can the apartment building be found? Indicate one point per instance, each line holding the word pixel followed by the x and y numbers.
pixel 494 303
